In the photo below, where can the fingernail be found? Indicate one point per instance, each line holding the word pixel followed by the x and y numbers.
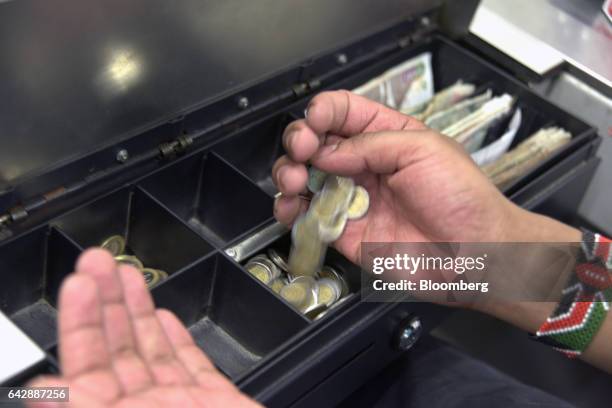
pixel 290 139
pixel 279 177
pixel 327 150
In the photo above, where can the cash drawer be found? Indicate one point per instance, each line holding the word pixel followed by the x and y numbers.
pixel 183 216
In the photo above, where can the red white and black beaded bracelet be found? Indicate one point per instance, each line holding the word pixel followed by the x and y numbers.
pixel 585 302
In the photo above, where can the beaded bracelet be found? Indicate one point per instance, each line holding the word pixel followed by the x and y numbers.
pixel 585 302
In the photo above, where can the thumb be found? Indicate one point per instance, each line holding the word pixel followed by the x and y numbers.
pixel 380 152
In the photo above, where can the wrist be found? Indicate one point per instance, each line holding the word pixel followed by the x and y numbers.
pixel 525 226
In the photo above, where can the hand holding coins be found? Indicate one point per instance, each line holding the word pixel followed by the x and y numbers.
pixel 337 201
pixel 311 295
pixel 116 245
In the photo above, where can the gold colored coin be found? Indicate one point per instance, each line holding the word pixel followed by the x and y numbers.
pixel 329 291
pixel 277 284
pixel 331 273
pixel 115 245
pixel 267 262
pixel 332 231
pixel 359 204
pixel 130 260
pixel 153 276
pixel 307 250
pixel 301 293
pixel 260 271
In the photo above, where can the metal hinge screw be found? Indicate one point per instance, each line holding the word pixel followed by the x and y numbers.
pixel 243 102
pixel 122 156
pixel 341 59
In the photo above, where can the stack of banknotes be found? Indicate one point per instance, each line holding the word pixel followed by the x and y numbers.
pixel 485 124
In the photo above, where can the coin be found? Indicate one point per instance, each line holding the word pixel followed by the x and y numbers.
pixel 331 273
pixel 301 293
pixel 315 310
pixel 359 204
pixel 115 245
pixel 259 270
pixel 330 232
pixel 316 179
pixel 307 251
pixel 332 307
pixel 267 262
pixel 330 291
pixel 153 276
pixel 277 284
pixel 130 260
pixel 278 259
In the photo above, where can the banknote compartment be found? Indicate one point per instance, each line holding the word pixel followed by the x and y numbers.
pixel 255 150
pixel 33 267
pixel 231 316
pixel 213 197
pixel 451 63
pixel 151 232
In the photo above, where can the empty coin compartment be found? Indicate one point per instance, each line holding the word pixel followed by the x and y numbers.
pixel 151 233
pixel 213 197
pixel 33 267
pixel 254 150
pixel 230 314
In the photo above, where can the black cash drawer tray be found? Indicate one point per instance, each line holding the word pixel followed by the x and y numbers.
pixel 183 216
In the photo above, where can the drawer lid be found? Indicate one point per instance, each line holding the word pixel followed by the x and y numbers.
pixel 78 77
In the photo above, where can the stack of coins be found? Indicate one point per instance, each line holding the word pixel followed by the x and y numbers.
pixel 311 295
pixel 336 200
pixel 117 247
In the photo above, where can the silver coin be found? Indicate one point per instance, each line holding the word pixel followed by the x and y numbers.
pixel 278 259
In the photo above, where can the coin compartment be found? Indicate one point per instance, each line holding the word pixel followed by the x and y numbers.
pixel 212 196
pixel 151 232
pixel 333 258
pixel 230 314
pixel 255 150
pixel 33 267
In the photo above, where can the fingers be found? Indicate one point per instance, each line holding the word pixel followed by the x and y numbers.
pixel 300 141
pixel 151 341
pixel 379 153
pixel 289 177
pixel 82 344
pixel 129 368
pixel 348 114
pixel 287 209
pixel 187 352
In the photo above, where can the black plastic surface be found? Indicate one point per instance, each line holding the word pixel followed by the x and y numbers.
pixel 230 315
pixel 79 76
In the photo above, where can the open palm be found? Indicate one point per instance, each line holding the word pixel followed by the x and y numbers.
pixel 423 187
pixel 115 349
